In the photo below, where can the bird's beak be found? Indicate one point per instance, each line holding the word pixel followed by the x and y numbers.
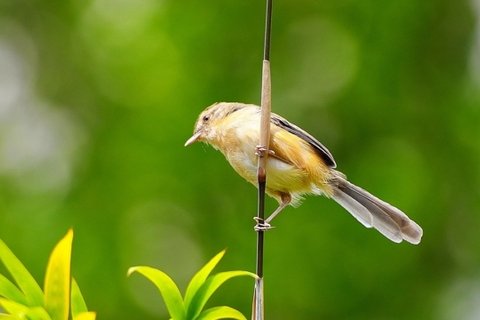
pixel 193 138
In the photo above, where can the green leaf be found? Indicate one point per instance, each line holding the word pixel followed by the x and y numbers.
pixel 77 302
pixel 37 313
pixel 168 289
pixel 13 308
pixel 10 291
pixel 19 311
pixel 223 312
pixel 31 289
pixel 199 278
pixel 57 279
pixel 85 316
pixel 209 287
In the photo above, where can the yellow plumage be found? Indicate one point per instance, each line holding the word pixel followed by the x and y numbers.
pixel 293 169
pixel 297 164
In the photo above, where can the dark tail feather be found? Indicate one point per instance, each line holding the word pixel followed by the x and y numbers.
pixel 373 212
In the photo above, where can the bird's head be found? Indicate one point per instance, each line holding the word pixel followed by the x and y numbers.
pixel 209 120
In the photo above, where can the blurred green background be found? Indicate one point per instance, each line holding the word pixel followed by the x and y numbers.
pixel 97 98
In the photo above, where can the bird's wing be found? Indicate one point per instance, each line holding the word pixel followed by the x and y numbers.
pixel 321 150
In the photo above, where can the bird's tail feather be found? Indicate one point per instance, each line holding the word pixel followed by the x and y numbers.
pixel 373 212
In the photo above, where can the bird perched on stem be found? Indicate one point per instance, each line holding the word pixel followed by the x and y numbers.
pixel 297 164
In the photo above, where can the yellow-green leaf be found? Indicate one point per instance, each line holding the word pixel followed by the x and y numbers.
pixel 13 308
pixel 30 288
pixel 8 317
pixel 85 316
pixel 37 313
pixel 199 278
pixel 77 303
pixel 23 312
pixel 10 291
pixel 223 312
pixel 57 279
pixel 209 287
pixel 168 289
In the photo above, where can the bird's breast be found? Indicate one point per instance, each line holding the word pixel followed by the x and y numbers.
pixel 281 176
pixel 237 138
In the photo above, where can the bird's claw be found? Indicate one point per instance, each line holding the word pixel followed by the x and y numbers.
pixel 260 151
pixel 262 225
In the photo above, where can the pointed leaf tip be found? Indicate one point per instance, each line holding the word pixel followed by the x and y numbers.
pixel 200 277
pixel 132 270
pixel 57 279
pixel 168 289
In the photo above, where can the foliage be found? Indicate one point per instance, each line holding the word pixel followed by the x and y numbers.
pixel 201 287
pixel 27 301
pixel 97 98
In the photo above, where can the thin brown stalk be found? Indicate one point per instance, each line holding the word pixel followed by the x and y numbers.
pixel 266 104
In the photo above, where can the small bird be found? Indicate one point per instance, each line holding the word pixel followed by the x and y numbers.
pixel 297 164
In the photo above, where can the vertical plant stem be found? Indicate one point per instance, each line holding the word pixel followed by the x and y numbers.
pixel 266 103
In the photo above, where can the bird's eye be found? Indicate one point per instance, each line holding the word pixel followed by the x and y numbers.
pixel 206 118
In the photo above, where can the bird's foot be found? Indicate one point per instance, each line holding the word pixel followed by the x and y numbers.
pixel 262 225
pixel 260 151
